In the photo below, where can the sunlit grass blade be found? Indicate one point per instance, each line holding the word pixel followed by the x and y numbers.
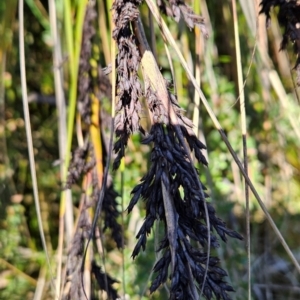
pixel 244 136
pixel 196 112
pixel 29 135
pixel 96 138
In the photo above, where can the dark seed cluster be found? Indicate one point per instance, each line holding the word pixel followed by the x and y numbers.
pixel 289 18
pixel 84 77
pixel 73 288
pixel 170 165
pixel 80 164
pixel 129 89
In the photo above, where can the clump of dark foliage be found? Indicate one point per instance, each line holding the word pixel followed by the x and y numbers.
pixel 80 164
pixel 73 288
pixel 289 18
pixel 128 87
pixel 169 164
pixel 170 167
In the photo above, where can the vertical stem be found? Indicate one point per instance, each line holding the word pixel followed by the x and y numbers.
pixel 197 71
pixel 122 169
pixel 28 133
pixel 244 134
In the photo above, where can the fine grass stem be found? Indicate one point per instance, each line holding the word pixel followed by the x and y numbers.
pixel 29 135
pixel 244 136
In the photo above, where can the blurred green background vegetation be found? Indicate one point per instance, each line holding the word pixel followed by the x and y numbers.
pixel 273 119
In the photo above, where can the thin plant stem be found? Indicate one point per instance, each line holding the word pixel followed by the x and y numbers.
pixel 244 138
pixel 122 169
pixel 171 66
pixel 196 111
pixel 38 294
pixel 29 135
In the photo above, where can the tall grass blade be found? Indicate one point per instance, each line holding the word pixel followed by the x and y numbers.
pixel 196 113
pixel 29 135
pixel 244 136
